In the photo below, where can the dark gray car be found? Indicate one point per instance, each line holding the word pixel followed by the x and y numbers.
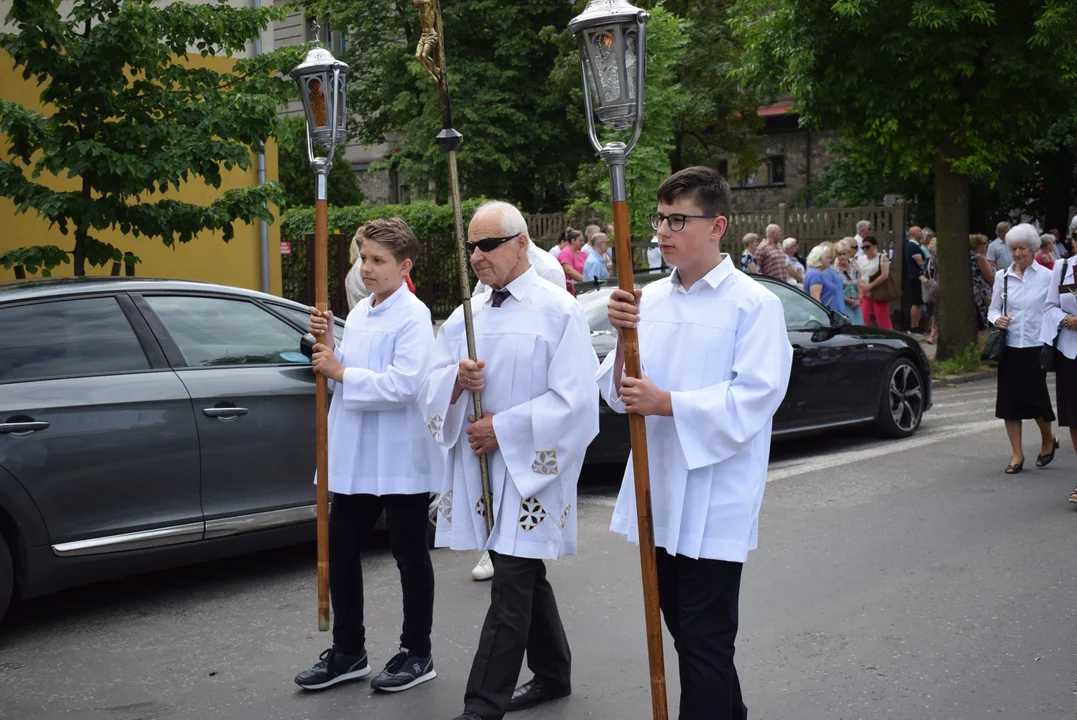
pixel 145 424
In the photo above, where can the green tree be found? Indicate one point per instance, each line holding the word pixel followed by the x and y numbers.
pixel 666 103
pixel 923 87
pixel 518 141
pixel 130 119
pixel 719 117
pixel 297 179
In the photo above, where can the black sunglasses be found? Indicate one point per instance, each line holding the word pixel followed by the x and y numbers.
pixel 488 244
pixel 676 221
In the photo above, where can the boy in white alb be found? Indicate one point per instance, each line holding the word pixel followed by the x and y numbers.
pixel 380 458
pixel 716 363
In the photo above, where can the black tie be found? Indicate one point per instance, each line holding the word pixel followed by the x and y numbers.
pixel 499 297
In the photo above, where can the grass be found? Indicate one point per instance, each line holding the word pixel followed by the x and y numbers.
pixel 966 362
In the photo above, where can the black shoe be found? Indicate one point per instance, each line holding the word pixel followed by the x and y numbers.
pixel 536 692
pixel 468 716
pixel 333 667
pixel 405 671
pixel 1045 460
pixel 1015 468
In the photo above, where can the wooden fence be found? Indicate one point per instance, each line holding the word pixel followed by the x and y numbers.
pixel 436 274
pixel 545 228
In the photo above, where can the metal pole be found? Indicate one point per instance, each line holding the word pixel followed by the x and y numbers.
pixel 615 155
pixel 449 140
pixel 321 300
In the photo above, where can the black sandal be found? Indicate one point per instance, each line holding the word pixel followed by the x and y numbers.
pixel 1015 468
pixel 1043 461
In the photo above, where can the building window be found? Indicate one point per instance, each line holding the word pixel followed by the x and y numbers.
pixel 776 166
pixel 770 172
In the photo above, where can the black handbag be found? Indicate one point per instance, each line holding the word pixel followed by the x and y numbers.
pixel 996 337
pixel 1049 353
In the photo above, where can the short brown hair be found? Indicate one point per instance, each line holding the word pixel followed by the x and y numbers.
pixel 393 234
pixel 703 185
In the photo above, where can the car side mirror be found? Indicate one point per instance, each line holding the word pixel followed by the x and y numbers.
pixel 306 346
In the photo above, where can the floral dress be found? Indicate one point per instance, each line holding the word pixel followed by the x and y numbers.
pixel 981 292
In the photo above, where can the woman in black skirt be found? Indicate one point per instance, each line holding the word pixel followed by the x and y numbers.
pixel 1017 305
pixel 1060 322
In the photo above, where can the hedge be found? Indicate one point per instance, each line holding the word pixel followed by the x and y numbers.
pixel 425 219
pixel 436 274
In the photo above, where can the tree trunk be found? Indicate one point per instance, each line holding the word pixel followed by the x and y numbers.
pixel 78 255
pixel 957 324
pixel 1060 192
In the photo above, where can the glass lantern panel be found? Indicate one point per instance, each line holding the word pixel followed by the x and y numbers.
pixel 630 62
pixel 602 51
pixel 316 101
pixel 339 95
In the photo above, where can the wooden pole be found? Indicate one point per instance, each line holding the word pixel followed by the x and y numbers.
pixel 641 472
pixel 431 55
pixel 321 301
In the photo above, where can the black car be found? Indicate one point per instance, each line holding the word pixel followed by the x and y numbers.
pixel 843 374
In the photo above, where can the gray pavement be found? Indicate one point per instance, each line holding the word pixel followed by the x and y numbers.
pixel 895 579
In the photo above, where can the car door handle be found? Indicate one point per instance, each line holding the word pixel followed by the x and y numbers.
pixel 225 413
pixel 24 427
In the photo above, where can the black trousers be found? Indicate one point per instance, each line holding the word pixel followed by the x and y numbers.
pixel 523 614
pixel 699 600
pixel 351 520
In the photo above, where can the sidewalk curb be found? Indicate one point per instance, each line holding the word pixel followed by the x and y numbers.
pixel 964 378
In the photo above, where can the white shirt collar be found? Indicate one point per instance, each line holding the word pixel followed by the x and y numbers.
pixel 1035 267
pixel 517 288
pixel 389 301
pixel 714 278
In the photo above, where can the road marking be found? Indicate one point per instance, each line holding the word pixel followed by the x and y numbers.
pixel 888 448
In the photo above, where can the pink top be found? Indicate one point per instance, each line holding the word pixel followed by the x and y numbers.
pixel 575 259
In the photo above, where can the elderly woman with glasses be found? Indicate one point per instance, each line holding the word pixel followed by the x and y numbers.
pixel 1017 306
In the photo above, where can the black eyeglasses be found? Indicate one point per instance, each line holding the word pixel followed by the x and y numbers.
pixel 488 244
pixel 676 221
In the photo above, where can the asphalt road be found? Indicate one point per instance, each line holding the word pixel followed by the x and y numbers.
pixel 902 579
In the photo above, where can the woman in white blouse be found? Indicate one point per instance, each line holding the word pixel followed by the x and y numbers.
pixel 1017 306
pixel 1060 322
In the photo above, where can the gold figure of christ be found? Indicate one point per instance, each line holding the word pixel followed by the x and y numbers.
pixel 426 52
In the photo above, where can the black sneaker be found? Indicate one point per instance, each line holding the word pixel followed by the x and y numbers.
pixel 333 667
pixel 405 671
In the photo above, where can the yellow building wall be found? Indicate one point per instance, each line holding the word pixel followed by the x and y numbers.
pixel 206 258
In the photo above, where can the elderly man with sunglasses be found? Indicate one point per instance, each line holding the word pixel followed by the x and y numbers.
pixel 544 263
pixel 548 268
pixel 536 372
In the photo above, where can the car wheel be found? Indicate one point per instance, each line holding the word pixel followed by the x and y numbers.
pixel 7 577
pixel 432 514
pixel 901 407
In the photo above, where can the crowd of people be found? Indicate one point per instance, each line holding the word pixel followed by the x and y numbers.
pixel 1022 282
pixel 846 275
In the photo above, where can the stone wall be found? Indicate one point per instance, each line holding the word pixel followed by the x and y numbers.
pixel 793 147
